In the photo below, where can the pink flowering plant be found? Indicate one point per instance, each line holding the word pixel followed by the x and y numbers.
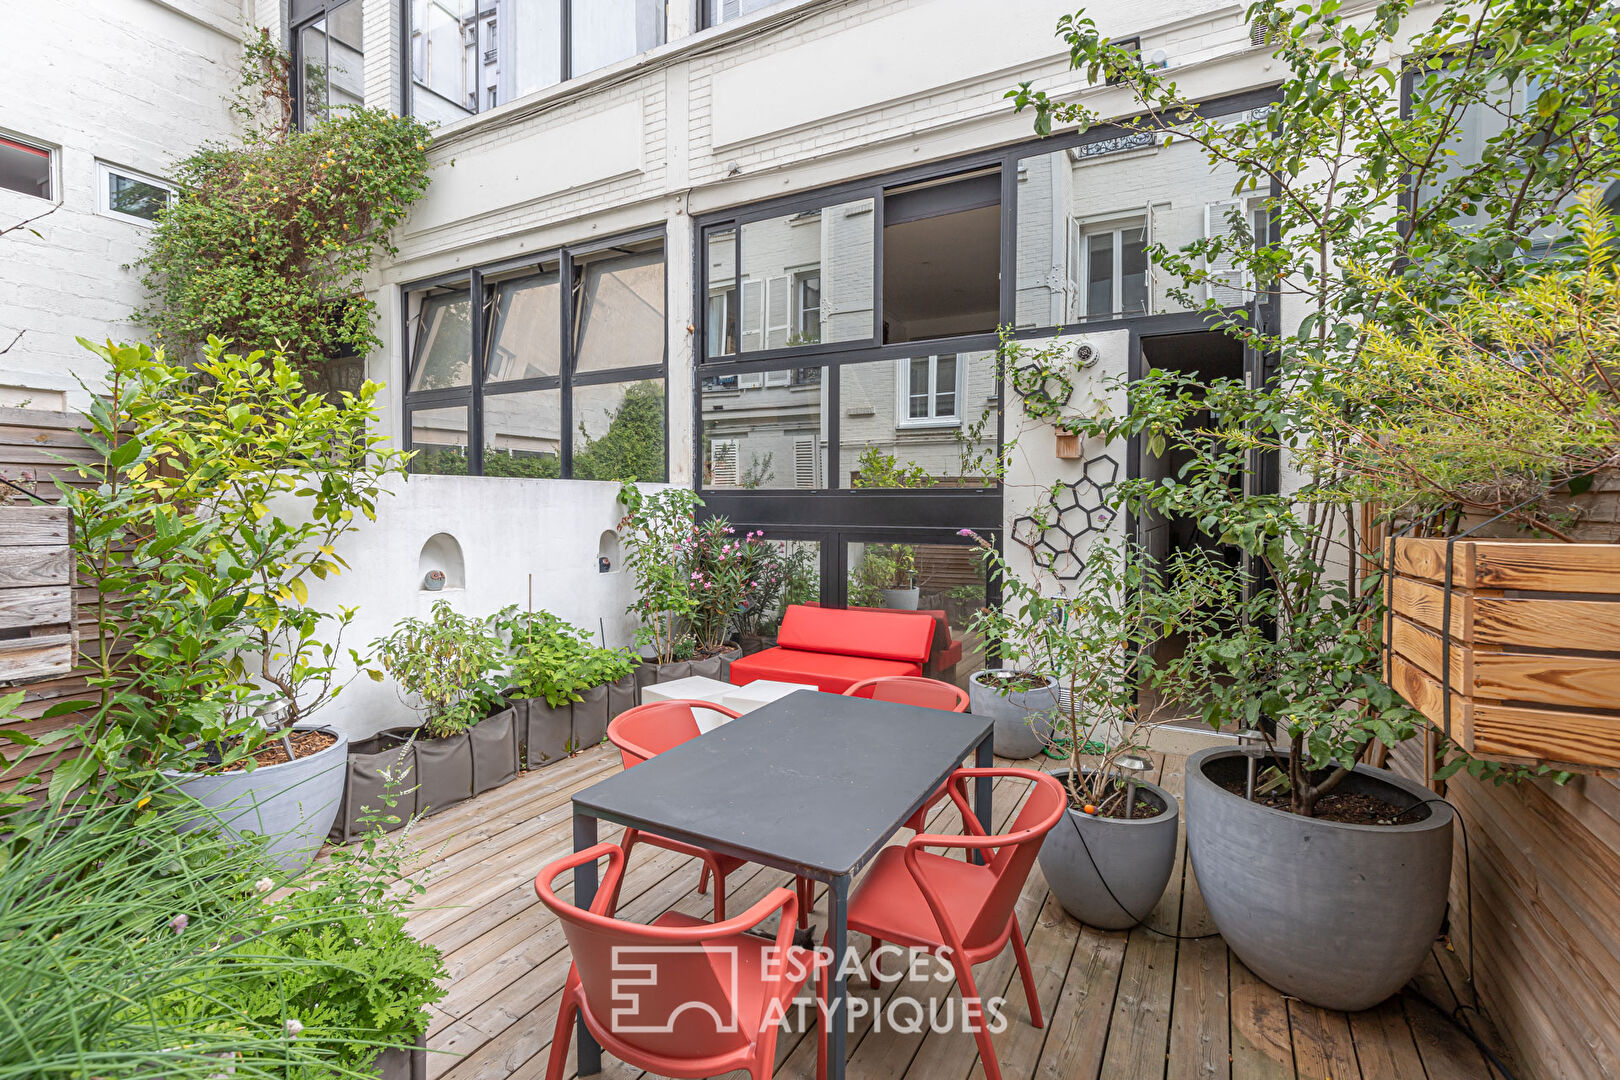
pixel 722 576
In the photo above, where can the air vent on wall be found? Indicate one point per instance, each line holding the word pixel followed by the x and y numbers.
pixel 1259 33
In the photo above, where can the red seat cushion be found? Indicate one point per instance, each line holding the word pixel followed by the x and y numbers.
pixel 881 635
pixel 888 904
pixel 828 671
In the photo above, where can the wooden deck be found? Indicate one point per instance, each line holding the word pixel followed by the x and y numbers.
pixel 1122 1005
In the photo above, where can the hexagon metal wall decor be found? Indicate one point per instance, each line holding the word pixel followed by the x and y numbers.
pixel 1072 511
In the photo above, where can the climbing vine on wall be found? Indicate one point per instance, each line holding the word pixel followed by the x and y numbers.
pixel 271 234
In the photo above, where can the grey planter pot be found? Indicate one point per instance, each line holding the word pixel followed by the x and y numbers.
pixel 1337 915
pixel 403 1064
pixel 716 667
pixel 590 718
pixel 293 803
pixel 901 599
pixel 1134 859
pixel 623 694
pixel 494 742
pixel 444 772
pixel 386 760
pixel 1023 718
pixel 547 732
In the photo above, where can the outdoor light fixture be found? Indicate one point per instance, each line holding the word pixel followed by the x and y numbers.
pixel 1135 767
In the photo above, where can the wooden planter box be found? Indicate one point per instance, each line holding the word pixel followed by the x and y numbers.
pixel 1532 644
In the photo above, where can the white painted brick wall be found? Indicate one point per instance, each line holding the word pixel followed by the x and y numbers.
pixel 135 83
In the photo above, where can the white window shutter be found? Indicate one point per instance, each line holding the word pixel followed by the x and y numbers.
pixel 752 320
pixel 1228 284
pixel 804 463
pixel 779 378
pixel 753 380
pixel 1074 296
pixel 777 321
pixel 723 467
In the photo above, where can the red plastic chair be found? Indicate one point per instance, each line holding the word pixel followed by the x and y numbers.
pixel 926 693
pixel 647 731
pixel 919 900
pixel 912 690
pixel 681 997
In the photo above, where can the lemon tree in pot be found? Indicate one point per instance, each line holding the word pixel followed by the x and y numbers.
pixel 212 498
pixel 1108 862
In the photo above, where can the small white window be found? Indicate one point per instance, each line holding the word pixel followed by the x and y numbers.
pixel 25 168
pixel 1113 262
pixel 930 391
pixel 131 196
pixel 806 307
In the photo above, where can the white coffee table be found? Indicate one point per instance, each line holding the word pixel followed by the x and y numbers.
pixel 747 698
pixel 693 688
pixel 739 699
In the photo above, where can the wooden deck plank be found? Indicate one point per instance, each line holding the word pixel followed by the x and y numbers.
pixel 507 960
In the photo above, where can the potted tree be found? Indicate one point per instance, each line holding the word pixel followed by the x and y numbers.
pixel 886 576
pixel 446 668
pixel 218 492
pixel 564 688
pixel 1108 862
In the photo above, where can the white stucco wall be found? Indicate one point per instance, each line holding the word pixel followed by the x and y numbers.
pixel 515 536
pixel 134 83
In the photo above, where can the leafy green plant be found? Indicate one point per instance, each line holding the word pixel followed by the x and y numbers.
pixel 215 495
pixel 446 667
pixel 721 580
pixel 1330 166
pixel 880 567
pixel 632 448
pixel 1096 636
pixel 554 660
pixel 656 531
pixel 269 239
pixel 137 940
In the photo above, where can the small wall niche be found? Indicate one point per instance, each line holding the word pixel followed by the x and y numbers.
pixel 607 552
pixel 441 552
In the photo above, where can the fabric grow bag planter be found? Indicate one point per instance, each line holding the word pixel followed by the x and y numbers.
pixel 547 731
pixel 494 743
pixel 385 761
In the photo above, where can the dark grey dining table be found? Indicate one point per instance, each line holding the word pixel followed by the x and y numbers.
pixel 811 783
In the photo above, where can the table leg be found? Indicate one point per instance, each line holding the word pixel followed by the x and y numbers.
pixel 983 758
pixel 587 1051
pixel 838 993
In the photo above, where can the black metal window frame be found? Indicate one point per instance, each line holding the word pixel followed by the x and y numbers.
pixel 565 43
pixel 852 508
pixel 566 381
pixel 300 14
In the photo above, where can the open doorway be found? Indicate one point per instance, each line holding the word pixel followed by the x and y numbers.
pixel 1203 355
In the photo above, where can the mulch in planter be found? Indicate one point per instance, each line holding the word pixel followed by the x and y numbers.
pixel 304 743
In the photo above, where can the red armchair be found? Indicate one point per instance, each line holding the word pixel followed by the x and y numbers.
pixel 703 994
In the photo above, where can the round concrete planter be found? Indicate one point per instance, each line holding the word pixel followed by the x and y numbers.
pixel 1133 857
pixel 1337 915
pixel 1023 718
pixel 294 803
pixel 901 599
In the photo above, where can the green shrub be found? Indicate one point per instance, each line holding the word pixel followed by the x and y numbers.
pixel 554 660
pixel 446 666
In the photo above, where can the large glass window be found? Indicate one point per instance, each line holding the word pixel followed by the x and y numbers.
pixel 468 56
pixel 919 421
pixel 799 279
pixel 25 168
pixel 542 403
pixel 942 258
pixel 1086 216
pixel 439 438
pixel 765 430
pixel 329 61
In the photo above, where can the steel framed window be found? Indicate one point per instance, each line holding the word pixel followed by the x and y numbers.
pixel 538 296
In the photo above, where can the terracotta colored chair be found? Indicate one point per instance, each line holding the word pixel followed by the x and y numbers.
pixel 648 730
pixel 679 997
pixel 919 900
pixel 915 690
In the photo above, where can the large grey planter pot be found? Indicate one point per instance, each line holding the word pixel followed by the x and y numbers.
pixel 1337 915
pixel 901 599
pixel 494 741
pixel 383 763
pixel 293 803
pixel 1133 857
pixel 1023 718
pixel 547 731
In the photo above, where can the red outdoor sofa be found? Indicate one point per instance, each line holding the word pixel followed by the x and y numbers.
pixel 834 648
